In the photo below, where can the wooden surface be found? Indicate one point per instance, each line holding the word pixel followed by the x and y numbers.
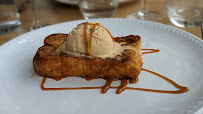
pixel 50 12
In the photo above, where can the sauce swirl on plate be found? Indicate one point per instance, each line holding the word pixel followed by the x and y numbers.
pixel 123 86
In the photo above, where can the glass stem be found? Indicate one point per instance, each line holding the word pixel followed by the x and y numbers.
pixel 143 11
pixel 36 23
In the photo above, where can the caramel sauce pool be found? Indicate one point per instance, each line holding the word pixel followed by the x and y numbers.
pixel 124 83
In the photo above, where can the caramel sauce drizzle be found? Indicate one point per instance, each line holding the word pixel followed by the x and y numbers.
pixel 65 88
pixel 88 48
pixel 150 51
pixel 181 88
pixel 91 33
pixel 89 78
pixel 59 78
pixel 106 87
pixel 122 87
pixel 133 81
pixel 85 39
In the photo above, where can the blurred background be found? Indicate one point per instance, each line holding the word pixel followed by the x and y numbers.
pixel 49 12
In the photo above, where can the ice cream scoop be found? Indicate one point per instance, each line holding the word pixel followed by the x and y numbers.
pixel 91 39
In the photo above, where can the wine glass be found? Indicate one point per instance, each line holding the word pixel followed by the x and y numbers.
pixel 35 23
pixel 144 14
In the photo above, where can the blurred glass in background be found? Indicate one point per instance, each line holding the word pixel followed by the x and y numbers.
pixel 98 8
pixel 31 5
pixel 144 14
pixel 22 4
pixel 185 13
pixel 9 16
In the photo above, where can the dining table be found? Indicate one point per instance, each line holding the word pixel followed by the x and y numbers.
pixel 51 12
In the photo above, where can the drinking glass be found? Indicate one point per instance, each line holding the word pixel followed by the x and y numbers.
pixel 185 13
pixel 35 22
pixel 144 14
pixel 9 16
pixel 98 8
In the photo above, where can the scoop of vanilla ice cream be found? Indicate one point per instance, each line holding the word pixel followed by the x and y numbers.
pixel 101 44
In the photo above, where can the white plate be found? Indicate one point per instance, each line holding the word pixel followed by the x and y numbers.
pixel 180 59
pixel 75 2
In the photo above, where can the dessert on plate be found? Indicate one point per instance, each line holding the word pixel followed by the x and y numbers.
pixel 89 50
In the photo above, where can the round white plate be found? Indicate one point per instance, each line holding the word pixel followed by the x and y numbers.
pixel 180 59
pixel 75 2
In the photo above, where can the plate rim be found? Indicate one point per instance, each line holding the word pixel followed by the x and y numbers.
pixel 194 107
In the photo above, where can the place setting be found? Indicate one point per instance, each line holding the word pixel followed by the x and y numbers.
pixel 101 57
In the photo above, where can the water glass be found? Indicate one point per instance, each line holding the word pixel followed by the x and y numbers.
pixel 9 16
pixel 98 8
pixel 185 13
